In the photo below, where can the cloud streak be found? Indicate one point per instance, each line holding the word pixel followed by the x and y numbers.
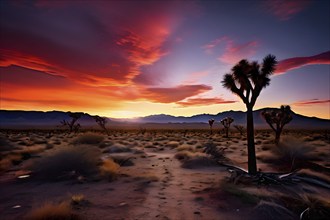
pixel 175 94
pixel 232 52
pixel 204 102
pixel 297 62
pixel 284 9
pixel 93 44
pixel 312 102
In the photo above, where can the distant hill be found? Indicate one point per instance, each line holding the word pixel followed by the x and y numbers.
pixel 13 118
pixel 299 121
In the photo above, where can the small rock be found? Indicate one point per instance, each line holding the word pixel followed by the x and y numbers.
pixel 197 212
pixel 122 204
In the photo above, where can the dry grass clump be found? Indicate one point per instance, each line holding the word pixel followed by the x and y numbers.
pixel 5 164
pixel 199 162
pixel 172 144
pixel 184 155
pixel 67 163
pixel 5 145
pixel 50 211
pixel 238 192
pixel 117 148
pixel 186 147
pixel 192 160
pixel 273 211
pixel 123 161
pixel 78 201
pixel 288 151
pixel 109 169
pixel 88 138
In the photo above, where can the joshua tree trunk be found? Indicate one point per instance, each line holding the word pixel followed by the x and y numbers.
pixel 227 130
pixel 252 163
pixel 277 136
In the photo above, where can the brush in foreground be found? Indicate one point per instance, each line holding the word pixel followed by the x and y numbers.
pixel 50 211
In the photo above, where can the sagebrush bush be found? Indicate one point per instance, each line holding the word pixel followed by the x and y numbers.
pixel 109 169
pixel 68 163
pixel 292 148
pixel 50 211
pixel 88 138
pixel 198 162
pixel 5 145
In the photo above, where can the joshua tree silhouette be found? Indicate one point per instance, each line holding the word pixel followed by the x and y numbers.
pixel 240 128
pixel 101 121
pixel 246 80
pixel 72 125
pixel 277 119
pixel 226 124
pixel 211 121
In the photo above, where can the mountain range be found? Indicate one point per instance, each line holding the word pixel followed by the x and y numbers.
pixel 18 118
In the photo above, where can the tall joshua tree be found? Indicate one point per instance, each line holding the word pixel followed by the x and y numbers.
pixel 226 122
pixel 211 121
pixel 277 119
pixel 246 80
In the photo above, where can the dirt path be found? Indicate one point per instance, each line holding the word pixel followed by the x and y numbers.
pixel 172 197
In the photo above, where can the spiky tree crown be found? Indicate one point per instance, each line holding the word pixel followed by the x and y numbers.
pixel 227 121
pixel 211 121
pixel 278 117
pixel 247 79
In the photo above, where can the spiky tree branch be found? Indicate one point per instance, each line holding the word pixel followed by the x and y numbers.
pixel 72 124
pixel 211 121
pixel 277 119
pixel 226 122
pixel 101 121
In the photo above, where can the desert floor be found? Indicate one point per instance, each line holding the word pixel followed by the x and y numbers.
pixel 161 174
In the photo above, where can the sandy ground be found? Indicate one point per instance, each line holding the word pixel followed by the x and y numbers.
pixel 156 186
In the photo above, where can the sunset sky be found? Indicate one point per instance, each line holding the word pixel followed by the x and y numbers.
pixel 135 58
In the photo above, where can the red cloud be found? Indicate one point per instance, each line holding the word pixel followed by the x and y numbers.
pixel 208 48
pixel 284 9
pixel 297 62
pixel 233 51
pixel 174 94
pixel 312 102
pixel 204 102
pixel 103 43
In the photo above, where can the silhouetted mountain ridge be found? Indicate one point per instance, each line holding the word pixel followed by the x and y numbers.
pixel 53 118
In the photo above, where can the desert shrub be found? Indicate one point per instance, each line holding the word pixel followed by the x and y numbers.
pixel 50 211
pixel 291 148
pixel 105 144
pixel 315 209
pixel 288 151
pixel 109 169
pixel 5 164
pixel 198 162
pixel 215 152
pixel 191 160
pixel 238 192
pixel 183 155
pixel 88 138
pixel 271 210
pixel 67 163
pixel 5 145
pixel 172 144
pixel 186 147
pixel 123 161
pixel 117 148
pixel 78 201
